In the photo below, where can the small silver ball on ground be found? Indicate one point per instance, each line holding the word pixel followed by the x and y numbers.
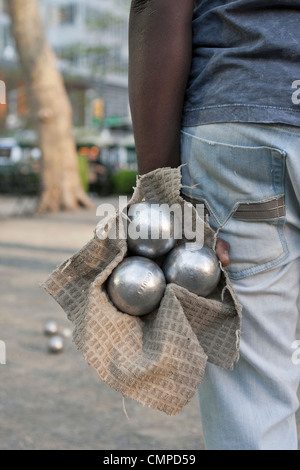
pixel 194 267
pixel 155 227
pixel 56 344
pixel 136 286
pixel 50 328
pixel 66 333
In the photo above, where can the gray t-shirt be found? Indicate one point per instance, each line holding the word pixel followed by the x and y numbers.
pixel 246 62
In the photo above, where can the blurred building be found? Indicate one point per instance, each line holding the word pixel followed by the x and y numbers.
pixel 90 41
pixel 88 37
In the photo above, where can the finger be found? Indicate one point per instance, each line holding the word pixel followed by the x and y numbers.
pixel 222 250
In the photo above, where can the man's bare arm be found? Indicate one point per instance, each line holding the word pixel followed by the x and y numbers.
pixel 160 46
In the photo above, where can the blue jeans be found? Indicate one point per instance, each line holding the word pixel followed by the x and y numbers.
pixel 248 176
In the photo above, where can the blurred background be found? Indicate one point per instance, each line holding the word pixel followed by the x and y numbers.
pixel 90 42
pixel 66 146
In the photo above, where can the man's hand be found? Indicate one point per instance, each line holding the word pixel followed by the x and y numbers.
pixel 222 250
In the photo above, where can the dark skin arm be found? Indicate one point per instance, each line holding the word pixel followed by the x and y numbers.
pixel 160 47
pixel 160 51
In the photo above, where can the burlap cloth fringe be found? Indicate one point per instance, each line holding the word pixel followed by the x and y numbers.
pixel 159 359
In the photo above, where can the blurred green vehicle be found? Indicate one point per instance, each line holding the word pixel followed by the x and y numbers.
pixel 106 166
pixel 19 174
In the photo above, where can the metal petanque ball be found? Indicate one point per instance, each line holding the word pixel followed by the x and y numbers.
pixel 56 344
pixel 194 267
pixel 151 230
pixel 136 286
pixel 66 333
pixel 50 328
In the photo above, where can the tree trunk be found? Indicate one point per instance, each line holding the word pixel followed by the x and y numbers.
pixel 51 109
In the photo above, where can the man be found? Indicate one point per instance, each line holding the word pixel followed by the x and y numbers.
pixel 216 84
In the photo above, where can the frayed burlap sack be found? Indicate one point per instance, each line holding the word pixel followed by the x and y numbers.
pixel 158 359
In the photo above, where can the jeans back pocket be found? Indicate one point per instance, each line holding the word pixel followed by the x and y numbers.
pixel 242 187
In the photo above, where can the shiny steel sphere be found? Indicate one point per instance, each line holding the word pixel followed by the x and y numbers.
pixel 136 286
pixel 197 269
pixel 154 226
pixel 66 333
pixel 56 344
pixel 50 328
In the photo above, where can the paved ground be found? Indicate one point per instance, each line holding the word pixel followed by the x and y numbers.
pixel 57 401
